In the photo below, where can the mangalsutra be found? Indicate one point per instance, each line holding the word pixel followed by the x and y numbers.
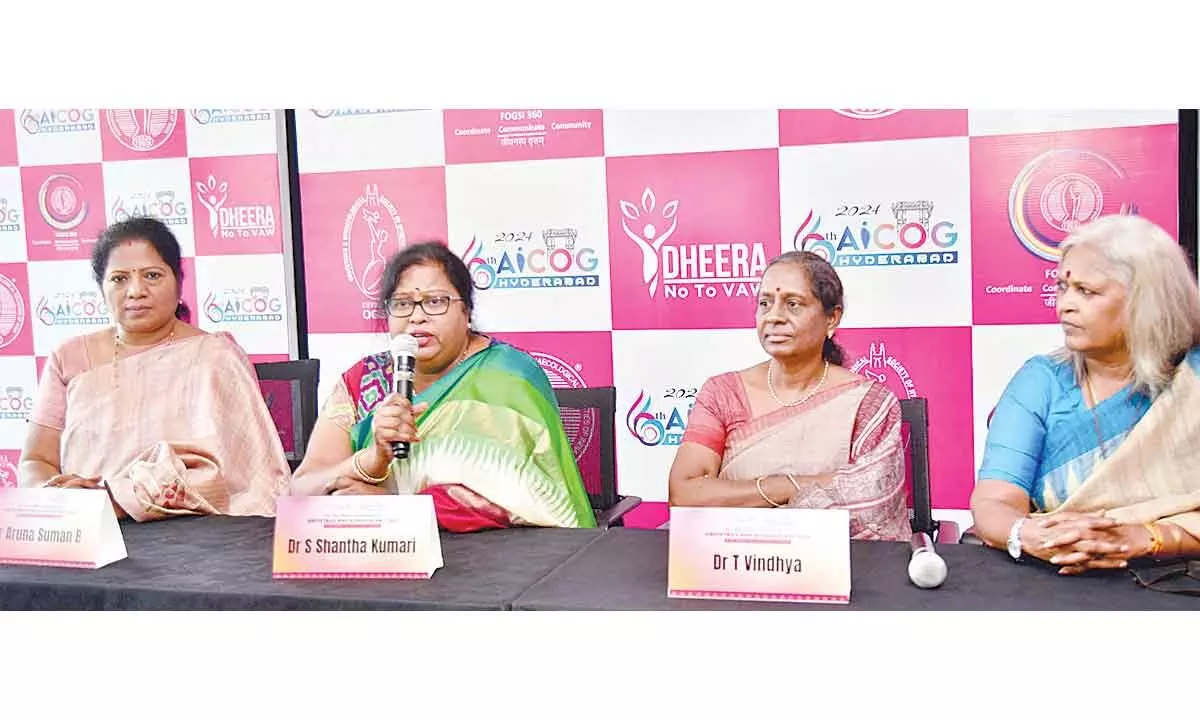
pixel 805 397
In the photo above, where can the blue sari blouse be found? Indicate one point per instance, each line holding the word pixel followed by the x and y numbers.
pixel 1043 437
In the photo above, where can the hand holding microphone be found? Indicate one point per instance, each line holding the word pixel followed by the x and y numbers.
pixel 395 420
pixel 926 569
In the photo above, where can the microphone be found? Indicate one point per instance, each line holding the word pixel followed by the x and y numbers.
pixel 404 359
pixel 926 569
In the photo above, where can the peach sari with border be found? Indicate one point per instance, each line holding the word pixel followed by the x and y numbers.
pixel 852 431
pixel 178 429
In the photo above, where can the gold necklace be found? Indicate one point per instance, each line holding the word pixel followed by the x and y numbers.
pixel 805 397
pixel 118 343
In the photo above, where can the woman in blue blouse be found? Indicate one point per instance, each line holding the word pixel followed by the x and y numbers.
pixel 1100 440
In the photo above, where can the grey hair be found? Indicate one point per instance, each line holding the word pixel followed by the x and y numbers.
pixel 1162 307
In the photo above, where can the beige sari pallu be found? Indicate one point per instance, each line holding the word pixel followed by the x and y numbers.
pixel 1153 474
pixel 819 437
pixel 179 429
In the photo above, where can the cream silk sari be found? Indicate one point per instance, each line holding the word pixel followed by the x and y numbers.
pixel 1154 474
pixel 179 429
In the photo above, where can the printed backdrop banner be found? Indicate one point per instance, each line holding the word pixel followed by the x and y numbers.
pixel 212 175
pixel 618 247
pixel 626 247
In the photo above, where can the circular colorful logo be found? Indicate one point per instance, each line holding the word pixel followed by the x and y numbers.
pixel 60 200
pixel 1060 190
pixel 12 312
pixel 483 275
pixel 142 130
pixel 641 422
pixel 579 423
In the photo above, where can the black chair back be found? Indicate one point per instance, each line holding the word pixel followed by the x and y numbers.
pixel 589 417
pixel 914 414
pixel 290 390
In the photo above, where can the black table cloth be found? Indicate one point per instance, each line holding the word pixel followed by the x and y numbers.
pixel 224 563
pixel 626 569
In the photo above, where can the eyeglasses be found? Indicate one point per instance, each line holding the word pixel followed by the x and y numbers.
pixel 433 305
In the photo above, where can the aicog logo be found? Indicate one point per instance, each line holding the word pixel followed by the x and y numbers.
pixel 579 423
pixel 254 304
pixel 61 202
pixel 866 114
pixel 16 403
pixel 878 365
pixel 12 312
pixel 696 270
pixel 1060 190
pixel 72 309
pixel 552 258
pixel 162 205
pixel 861 236
pixel 46 122
pixel 654 425
pixel 215 116
pixel 10 216
pixel 142 130
pixel 371 233
pixel 236 221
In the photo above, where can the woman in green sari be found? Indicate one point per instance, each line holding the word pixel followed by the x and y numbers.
pixel 487 442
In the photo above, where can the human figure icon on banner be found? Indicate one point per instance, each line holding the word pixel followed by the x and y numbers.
pixel 1071 200
pixel 365 254
pixel 212 196
pixel 648 239
pixel 372 274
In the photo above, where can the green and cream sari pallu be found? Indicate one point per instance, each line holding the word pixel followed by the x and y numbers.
pixel 491 448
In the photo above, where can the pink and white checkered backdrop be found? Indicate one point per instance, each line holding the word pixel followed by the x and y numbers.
pixel 625 247
pixel 620 247
pixel 211 175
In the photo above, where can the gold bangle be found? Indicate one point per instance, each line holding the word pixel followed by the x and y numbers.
pixel 794 483
pixel 370 478
pixel 758 484
pixel 1156 539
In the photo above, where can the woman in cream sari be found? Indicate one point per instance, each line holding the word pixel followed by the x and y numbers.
pixel 798 430
pixel 166 417
pixel 1092 452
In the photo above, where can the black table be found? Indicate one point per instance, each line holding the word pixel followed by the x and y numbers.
pixel 626 569
pixel 224 563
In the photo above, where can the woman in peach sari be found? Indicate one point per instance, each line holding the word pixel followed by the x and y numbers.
pixel 167 418
pixel 798 430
